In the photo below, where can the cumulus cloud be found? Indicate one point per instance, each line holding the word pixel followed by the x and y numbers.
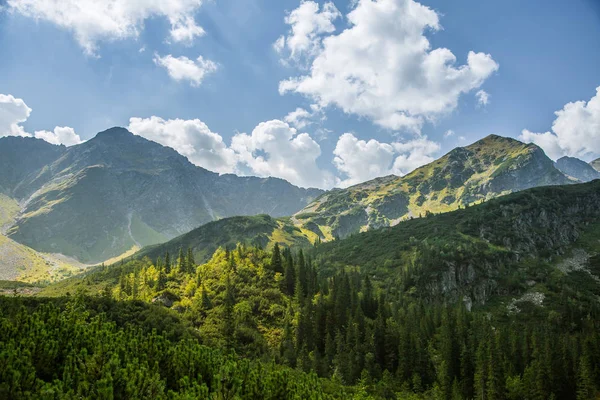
pixel 184 69
pixel 92 21
pixel 186 30
pixel 13 112
pixel 382 66
pixel 360 160
pixel 61 135
pixel 307 24
pixel 274 148
pixel 299 118
pixel 483 98
pixel 191 138
pixel 575 131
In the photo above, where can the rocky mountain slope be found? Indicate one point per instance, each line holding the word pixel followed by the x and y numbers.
pixel 512 247
pixel 577 169
pixel 596 164
pixel 491 167
pixel 117 191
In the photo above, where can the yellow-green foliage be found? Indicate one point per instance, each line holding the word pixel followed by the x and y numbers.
pixel 21 263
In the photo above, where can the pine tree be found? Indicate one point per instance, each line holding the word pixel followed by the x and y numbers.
pixel 182 262
pixel 191 262
pixel 276 264
pixel 167 263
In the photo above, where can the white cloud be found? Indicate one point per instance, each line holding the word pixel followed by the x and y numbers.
pixel 191 138
pixel 299 118
pixel 184 69
pixel 13 112
pixel 186 30
pixel 449 133
pixel 575 131
pixel 276 149
pixel 360 160
pixel 307 25
pixel 483 98
pixel 61 135
pixel 92 21
pixel 383 67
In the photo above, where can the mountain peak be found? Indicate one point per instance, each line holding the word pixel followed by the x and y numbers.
pixel 596 164
pixel 116 132
pixel 496 140
pixel 576 168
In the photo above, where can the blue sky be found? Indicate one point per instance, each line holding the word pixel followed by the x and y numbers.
pixel 546 55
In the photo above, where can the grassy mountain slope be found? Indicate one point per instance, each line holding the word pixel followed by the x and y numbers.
pixel 101 198
pixel 19 262
pixel 491 167
pixel 529 241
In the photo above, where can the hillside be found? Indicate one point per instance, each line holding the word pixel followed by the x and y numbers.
pixel 596 164
pixel 516 244
pixel 577 169
pixel 260 230
pixel 415 311
pixel 19 262
pixel 118 191
pixel 491 167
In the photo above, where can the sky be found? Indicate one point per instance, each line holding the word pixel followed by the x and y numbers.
pixel 320 93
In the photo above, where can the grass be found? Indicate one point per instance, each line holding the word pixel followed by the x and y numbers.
pixel 21 263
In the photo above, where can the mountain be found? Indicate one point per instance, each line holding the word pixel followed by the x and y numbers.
pixel 508 246
pixel 596 164
pixel 23 161
pixel 509 287
pixel 260 230
pixel 491 167
pixel 577 169
pixel 119 191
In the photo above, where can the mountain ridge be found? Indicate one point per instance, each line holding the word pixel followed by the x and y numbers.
pixel 490 167
pixel 97 200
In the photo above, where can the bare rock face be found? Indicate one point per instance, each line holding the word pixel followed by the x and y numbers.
pixel 99 199
pixel 577 169
pixel 596 164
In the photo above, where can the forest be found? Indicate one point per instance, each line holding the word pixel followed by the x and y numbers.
pixel 252 323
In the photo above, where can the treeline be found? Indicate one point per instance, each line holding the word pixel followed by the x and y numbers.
pixel 370 336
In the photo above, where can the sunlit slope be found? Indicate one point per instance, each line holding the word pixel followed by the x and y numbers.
pixel 489 168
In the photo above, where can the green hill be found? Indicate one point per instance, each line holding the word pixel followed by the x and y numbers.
pixel 508 246
pixel 491 167
pixel 260 230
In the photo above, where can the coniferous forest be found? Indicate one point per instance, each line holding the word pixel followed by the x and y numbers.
pixel 253 324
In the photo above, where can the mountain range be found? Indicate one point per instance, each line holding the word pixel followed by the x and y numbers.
pixel 119 191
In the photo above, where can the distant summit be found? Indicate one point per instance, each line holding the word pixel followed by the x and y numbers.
pixel 490 167
pixel 577 169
